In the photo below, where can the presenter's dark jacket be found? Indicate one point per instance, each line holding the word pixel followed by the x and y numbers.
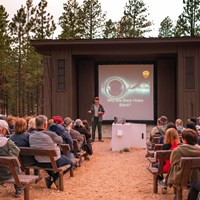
pixel 101 109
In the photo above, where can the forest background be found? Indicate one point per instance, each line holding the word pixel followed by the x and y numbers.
pixel 21 67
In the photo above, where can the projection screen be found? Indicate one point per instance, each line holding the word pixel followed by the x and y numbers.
pixel 127 91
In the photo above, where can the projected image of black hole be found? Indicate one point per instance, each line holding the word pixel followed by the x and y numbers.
pixel 115 88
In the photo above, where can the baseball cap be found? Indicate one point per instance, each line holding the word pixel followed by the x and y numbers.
pixel 57 119
pixel 3 124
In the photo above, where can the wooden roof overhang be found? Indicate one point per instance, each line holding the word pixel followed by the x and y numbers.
pixel 138 46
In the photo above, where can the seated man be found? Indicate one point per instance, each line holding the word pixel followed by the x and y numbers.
pixel 44 139
pixel 67 139
pixel 7 148
pixel 187 149
pixel 68 124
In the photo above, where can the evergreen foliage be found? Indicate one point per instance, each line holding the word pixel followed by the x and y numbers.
pixel 21 70
pixel 166 28
pixel 135 21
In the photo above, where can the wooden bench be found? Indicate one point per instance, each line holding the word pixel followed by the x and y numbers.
pixel 65 148
pixel 79 153
pixel 161 155
pixel 153 142
pixel 152 157
pixel 188 164
pixel 20 180
pixel 49 153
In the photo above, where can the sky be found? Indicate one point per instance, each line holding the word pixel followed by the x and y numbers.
pixel 157 9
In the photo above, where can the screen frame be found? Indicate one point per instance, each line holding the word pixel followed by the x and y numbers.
pixel 96 87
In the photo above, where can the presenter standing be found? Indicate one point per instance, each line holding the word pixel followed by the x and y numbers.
pixel 97 111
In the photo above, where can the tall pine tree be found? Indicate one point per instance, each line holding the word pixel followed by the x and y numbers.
pixel 6 71
pixel 188 23
pixel 93 19
pixel 134 23
pixel 70 21
pixel 44 24
pixel 166 28
pixel 110 30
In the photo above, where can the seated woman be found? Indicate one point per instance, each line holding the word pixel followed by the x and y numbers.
pixel 78 126
pixel 31 125
pixel 169 125
pixel 86 124
pixel 21 139
pixel 171 141
pixel 188 149
pixel 179 125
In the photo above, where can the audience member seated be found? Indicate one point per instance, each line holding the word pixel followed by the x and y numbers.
pixel 3 117
pixel 195 121
pixel 179 125
pixel 68 124
pixel 61 131
pixel 50 121
pixel 11 122
pixel 31 125
pixel 169 125
pixel 187 149
pixel 86 124
pixel 78 125
pixel 7 148
pixel 21 139
pixel 171 141
pixel 191 125
pixel 198 124
pixel 160 128
pixel 57 119
pixel 44 139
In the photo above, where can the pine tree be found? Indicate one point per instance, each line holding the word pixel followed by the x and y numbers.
pixel 5 61
pixel 93 19
pixel 70 21
pixel 189 21
pixel 166 28
pixel 44 24
pixel 26 61
pixel 18 31
pixel 180 27
pixel 134 23
pixel 110 30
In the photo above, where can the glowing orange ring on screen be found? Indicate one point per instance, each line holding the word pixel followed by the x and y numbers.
pixel 115 92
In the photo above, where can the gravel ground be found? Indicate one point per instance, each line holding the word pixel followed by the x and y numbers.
pixel 106 176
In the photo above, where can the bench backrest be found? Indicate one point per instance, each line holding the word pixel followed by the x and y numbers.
pixel 155 140
pixel 65 148
pixel 12 163
pixel 40 152
pixel 162 155
pixel 158 147
pixel 188 164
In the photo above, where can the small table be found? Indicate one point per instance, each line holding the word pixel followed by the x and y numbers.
pixel 128 135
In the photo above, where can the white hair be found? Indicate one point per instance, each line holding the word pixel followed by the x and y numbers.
pixel 31 123
pixel 78 122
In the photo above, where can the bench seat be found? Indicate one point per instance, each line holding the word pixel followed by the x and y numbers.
pixel 28 151
pixel 20 180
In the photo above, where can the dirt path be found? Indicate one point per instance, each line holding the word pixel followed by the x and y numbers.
pixel 107 176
